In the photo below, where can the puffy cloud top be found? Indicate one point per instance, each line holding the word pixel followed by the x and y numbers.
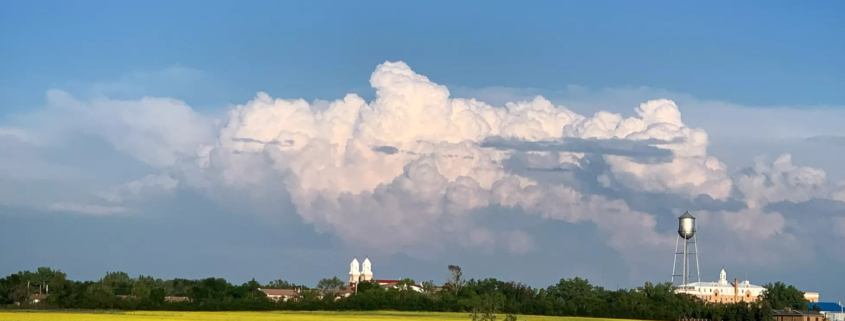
pixel 341 178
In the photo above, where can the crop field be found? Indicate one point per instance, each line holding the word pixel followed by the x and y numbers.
pixel 251 316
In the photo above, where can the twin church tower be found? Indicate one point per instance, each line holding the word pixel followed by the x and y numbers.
pixel 360 272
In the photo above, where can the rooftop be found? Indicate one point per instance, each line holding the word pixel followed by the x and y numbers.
pixel 741 285
pixel 280 292
pixel 795 312
pixel 826 306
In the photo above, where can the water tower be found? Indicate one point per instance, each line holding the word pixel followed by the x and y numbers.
pixel 686 231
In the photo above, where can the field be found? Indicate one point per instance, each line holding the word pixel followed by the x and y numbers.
pixel 251 316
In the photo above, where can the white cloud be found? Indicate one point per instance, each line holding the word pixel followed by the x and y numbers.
pixel 408 172
pixel 719 118
pixel 752 238
pixel 156 131
pixel 736 133
pixel 783 181
pixel 419 194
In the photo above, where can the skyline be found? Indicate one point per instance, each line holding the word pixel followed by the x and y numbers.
pixel 241 141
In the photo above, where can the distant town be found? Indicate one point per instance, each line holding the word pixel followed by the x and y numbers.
pixel 688 298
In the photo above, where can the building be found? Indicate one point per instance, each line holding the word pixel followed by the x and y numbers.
pixel 363 272
pixel 176 298
pixel 831 310
pixel 35 298
pixel 792 315
pixel 724 292
pixel 279 294
pixel 394 284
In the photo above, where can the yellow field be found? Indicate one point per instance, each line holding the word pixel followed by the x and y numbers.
pixel 252 316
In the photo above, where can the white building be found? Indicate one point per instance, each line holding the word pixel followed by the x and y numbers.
pixel 354 271
pixel 833 311
pixel 363 272
pixel 723 291
pixel 280 294
pixel 360 272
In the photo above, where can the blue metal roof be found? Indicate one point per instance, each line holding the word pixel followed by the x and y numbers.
pixel 826 306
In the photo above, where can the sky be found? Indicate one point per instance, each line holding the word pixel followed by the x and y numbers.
pixel 530 142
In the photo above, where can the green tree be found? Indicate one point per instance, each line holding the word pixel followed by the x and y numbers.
pixel 428 287
pixel 44 277
pixel 780 296
pixel 157 296
pixel 20 293
pixel 209 289
pixel 330 287
pixel 456 278
pixel 119 282
pixel 367 286
pixel 766 312
pixel 100 295
pixel 280 284
pixel 484 307
pixel 252 287
pixel 141 290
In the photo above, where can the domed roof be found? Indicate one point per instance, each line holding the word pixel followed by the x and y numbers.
pixel 687 215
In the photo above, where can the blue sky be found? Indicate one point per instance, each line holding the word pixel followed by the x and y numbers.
pixel 761 54
pixel 118 179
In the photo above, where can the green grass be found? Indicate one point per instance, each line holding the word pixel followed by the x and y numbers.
pixel 251 316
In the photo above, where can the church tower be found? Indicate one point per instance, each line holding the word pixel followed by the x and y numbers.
pixel 354 272
pixel 367 270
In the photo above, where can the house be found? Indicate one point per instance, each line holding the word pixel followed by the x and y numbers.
pixel 394 284
pixel 171 298
pixel 280 294
pixel 793 315
pixel 831 310
pixel 35 298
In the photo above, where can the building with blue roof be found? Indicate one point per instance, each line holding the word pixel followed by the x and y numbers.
pixel 826 306
pixel 832 311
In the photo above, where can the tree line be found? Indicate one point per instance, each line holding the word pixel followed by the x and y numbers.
pixel 482 297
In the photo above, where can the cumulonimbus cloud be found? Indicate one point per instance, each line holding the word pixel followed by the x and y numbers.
pixel 414 162
pixel 415 169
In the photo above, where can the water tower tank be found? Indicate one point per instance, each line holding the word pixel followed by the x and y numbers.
pixel 686 226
